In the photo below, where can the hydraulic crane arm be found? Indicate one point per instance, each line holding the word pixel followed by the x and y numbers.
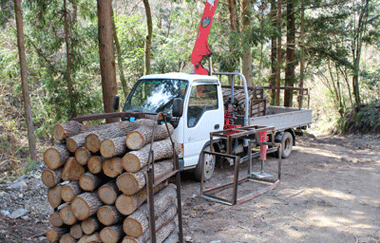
pixel 201 47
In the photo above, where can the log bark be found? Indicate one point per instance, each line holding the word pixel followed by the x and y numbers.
pixel 138 222
pixel 56 156
pixel 173 237
pixel 56 220
pixel 112 167
pixel 67 238
pixel 143 135
pixel 54 196
pixel 70 190
pixel 55 234
pixel 86 205
pixel 94 238
pixel 67 129
pixel 135 160
pixel 131 183
pixel 82 155
pixel 108 193
pixel 67 214
pixel 89 181
pixel 111 234
pixel 51 177
pixel 76 231
pixel 72 170
pixel 108 215
pixel 75 142
pixel 113 147
pixel 95 164
pixel 90 225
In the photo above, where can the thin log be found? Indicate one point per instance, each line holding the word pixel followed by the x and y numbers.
pixel 94 238
pixel 111 234
pixel 76 231
pixel 108 215
pixel 51 177
pixel 67 238
pixel 67 214
pixel 68 129
pixel 82 155
pixel 108 192
pixel 143 135
pixel 70 190
pixel 112 167
pixel 56 220
pixel 86 205
pixel 89 181
pixel 113 147
pixel 135 160
pixel 55 234
pixel 72 170
pixel 95 164
pixel 56 156
pixel 90 225
pixel 77 141
pixel 54 196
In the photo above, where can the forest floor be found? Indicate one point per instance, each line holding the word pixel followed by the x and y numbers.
pixel 329 192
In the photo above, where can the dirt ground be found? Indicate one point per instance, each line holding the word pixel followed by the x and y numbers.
pixel 329 192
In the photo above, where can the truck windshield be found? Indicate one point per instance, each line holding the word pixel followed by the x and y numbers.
pixel 155 95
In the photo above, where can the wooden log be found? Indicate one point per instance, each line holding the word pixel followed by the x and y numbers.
pixel 143 135
pixel 56 156
pixel 111 234
pixel 173 237
pixel 108 215
pixel 135 160
pixel 82 155
pixel 94 164
pixel 86 205
pixel 89 181
pixel 55 234
pixel 67 238
pixel 54 196
pixel 70 190
pixel 138 222
pixel 112 167
pixel 131 183
pixel 128 204
pixel 51 177
pixel 75 142
pixel 90 225
pixel 67 214
pixel 72 170
pixel 76 231
pixel 68 129
pixel 113 147
pixel 108 192
pixel 56 220
pixel 94 238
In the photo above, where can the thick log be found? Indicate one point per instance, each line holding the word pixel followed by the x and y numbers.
pixel 56 156
pixel 108 215
pixel 86 205
pixel 94 164
pixel 113 147
pixel 67 238
pixel 128 204
pixel 51 177
pixel 72 170
pixel 68 129
pixel 143 135
pixel 77 141
pixel 70 190
pixel 112 167
pixel 82 155
pixel 56 220
pixel 131 183
pixel 164 206
pixel 67 214
pixel 173 237
pixel 54 196
pixel 111 234
pixel 55 234
pixel 135 160
pixel 108 192
pixel 90 225
pixel 89 181
pixel 94 238
pixel 76 231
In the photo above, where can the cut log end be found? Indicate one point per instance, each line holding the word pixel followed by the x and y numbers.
pixel 133 227
pixel 56 220
pixel 108 215
pixel 94 164
pixel 111 234
pixel 85 205
pixel 51 177
pixel 71 145
pixel 125 204
pixel 55 234
pixel 128 183
pixel 90 225
pixel 108 193
pixel 135 140
pixel 54 196
pixel 67 239
pixel 52 158
pixel 67 215
pixel 107 148
pixel 131 162
pixel 82 155
pixel 93 142
pixel 112 167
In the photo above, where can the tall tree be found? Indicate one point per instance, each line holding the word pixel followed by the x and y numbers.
pixel 246 29
pixel 148 39
pixel 290 49
pixel 302 47
pixel 273 50
pixel 107 55
pixel 25 81
pixel 278 72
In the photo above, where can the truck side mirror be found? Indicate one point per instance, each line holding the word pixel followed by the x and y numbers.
pixel 116 103
pixel 177 107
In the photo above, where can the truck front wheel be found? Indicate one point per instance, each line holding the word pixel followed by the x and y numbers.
pixel 209 166
pixel 286 144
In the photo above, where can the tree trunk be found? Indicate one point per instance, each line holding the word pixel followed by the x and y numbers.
pixel 72 170
pixel 88 181
pixel 54 196
pixel 279 36
pixel 112 167
pixel 108 215
pixel 56 156
pixel 82 155
pixel 108 193
pixel 290 50
pixel 70 191
pixel 107 55
pixel 246 29
pixel 95 164
pixel 273 55
pixel 67 238
pixel 85 205
pixel 90 225
pixel 302 57
pixel 111 234
pixel 54 234
pixel 76 231
pixel 56 220
pixel 135 160
pixel 51 177
pixel 25 81
pixel 94 238
pixel 148 39
pixel 67 214
pixel 113 147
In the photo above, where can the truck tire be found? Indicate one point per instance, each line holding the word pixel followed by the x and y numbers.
pixel 286 144
pixel 208 168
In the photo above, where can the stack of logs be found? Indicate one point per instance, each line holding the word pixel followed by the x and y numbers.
pixel 256 100
pixel 97 184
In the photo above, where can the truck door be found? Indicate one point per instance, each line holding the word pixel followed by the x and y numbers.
pixel 204 114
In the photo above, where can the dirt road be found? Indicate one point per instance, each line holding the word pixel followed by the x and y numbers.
pixel 329 192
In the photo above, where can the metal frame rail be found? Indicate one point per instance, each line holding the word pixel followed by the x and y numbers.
pixel 152 182
pixel 251 133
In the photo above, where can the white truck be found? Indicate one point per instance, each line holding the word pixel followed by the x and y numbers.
pixel 194 106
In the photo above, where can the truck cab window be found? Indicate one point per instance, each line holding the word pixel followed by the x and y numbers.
pixel 202 99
